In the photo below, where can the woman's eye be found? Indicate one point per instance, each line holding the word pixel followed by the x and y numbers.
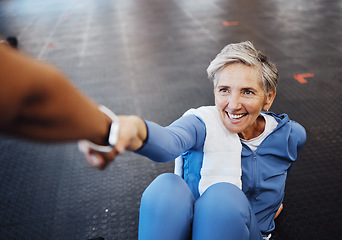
pixel 223 90
pixel 248 92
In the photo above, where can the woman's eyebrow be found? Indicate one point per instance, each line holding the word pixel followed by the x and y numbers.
pixel 226 86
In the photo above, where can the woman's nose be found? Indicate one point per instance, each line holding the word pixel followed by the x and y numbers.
pixel 234 102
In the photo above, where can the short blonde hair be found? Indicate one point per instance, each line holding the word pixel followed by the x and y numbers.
pixel 245 53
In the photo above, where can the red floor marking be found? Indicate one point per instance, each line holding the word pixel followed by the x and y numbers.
pixel 51 45
pixel 228 24
pixel 301 77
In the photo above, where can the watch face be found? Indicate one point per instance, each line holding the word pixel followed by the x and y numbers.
pixel 114 132
pixel 114 127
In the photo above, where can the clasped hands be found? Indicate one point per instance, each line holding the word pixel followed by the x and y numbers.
pixel 132 133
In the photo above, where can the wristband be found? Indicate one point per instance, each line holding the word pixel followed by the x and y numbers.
pixel 113 134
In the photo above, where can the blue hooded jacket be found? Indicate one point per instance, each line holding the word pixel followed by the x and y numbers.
pixel 264 171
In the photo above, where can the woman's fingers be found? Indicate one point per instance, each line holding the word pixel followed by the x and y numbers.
pixel 279 211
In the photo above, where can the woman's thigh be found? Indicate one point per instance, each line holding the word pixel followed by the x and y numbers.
pixel 166 209
pixel 224 212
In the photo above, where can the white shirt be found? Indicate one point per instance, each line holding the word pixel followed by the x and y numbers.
pixel 270 125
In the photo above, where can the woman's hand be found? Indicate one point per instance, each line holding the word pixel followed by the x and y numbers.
pixel 279 211
pixel 132 134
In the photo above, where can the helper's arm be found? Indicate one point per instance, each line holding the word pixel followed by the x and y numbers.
pixel 37 101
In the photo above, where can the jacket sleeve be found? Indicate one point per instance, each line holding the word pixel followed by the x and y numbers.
pixel 298 135
pixel 166 143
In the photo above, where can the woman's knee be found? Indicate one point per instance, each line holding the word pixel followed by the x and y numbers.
pixel 167 191
pixel 166 209
pixel 223 210
pixel 224 198
pixel 165 185
pixel 226 191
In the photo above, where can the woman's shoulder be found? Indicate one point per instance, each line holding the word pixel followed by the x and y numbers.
pixel 298 130
pixel 293 128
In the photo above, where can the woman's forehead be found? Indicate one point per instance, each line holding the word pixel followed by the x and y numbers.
pixel 240 74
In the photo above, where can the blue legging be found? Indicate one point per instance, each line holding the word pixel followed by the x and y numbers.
pixel 169 211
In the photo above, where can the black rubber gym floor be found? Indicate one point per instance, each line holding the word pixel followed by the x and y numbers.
pixel 148 57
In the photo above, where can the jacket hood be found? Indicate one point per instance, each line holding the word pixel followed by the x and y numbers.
pixel 285 142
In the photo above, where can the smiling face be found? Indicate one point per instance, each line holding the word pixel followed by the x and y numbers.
pixel 240 97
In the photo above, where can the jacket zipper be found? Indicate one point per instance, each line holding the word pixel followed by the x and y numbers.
pixel 254 172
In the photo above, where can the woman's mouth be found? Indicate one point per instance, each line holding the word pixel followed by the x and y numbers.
pixel 235 116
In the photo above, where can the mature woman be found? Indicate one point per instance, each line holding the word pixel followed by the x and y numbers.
pixel 234 160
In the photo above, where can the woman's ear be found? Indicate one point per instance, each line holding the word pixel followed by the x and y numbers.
pixel 269 99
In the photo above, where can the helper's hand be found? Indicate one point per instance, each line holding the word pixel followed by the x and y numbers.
pixel 96 159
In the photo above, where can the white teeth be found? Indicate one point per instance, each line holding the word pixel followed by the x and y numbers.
pixel 233 116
